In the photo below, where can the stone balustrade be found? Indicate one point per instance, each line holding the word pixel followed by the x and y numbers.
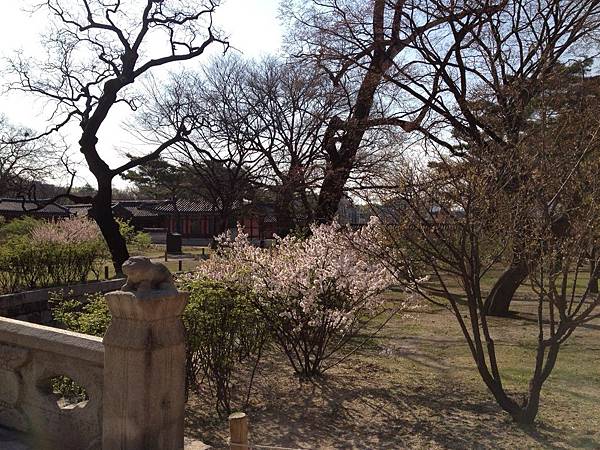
pixel 134 377
pixel 30 357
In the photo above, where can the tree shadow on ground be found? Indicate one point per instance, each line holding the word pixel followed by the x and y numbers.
pixel 345 411
pixel 412 387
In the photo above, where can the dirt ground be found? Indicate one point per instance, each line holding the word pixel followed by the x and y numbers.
pixel 416 386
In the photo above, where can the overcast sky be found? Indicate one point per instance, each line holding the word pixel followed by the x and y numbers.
pixel 252 25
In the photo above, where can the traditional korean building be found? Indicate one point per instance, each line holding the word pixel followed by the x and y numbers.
pixel 14 208
pixel 197 219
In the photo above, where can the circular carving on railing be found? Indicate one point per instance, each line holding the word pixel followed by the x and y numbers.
pixel 64 391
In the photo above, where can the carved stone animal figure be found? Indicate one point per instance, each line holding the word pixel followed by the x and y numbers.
pixel 145 275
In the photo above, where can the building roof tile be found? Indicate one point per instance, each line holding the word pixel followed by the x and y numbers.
pixel 15 206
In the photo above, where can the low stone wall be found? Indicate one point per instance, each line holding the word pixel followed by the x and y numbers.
pixel 30 355
pixel 32 306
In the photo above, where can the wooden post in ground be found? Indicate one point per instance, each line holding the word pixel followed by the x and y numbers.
pixel 238 431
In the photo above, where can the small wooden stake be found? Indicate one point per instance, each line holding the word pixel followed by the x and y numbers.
pixel 106 272
pixel 180 265
pixel 238 431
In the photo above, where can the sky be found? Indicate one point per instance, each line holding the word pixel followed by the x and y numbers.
pixel 252 26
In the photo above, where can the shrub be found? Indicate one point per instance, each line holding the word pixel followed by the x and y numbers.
pixel 224 330
pixel 139 240
pixel 126 229
pixel 142 241
pixel 17 227
pixel 66 231
pixel 316 293
pixel 88 316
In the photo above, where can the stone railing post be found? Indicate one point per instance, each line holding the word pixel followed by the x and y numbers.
pixel 144 362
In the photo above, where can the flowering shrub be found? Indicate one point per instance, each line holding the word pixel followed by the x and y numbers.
pixel 316 293
pixel 66 231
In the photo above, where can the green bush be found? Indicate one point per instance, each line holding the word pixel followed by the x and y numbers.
pixel 142 241
pixel 136 239
pixel 27 266
pixel 17 227
pixel 224 330
pixel 88 316
pixel 126 229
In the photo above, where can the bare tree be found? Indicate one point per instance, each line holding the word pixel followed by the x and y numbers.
pixel 22 164
pixel 485 77
pixel 217 168
pixel 363 46
pixel 97 50
pixel 262 122
pixel 454 222
pixel 286 108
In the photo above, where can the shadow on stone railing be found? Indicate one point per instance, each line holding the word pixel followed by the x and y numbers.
pixel 30 357
pixel 134 377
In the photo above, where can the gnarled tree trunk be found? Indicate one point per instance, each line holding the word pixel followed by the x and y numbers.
pixel 498 301
pixel 101 212
pixel 593 283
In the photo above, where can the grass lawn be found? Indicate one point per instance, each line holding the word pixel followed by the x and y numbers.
pixel 157 253
pixel 416 386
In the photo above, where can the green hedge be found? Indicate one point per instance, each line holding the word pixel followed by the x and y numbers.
pixel 25 266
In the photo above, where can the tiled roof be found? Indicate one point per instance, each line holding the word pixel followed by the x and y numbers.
pixel 185 206
pixel 79 210
pixel 14 205
pixel 154 208
pixel 141 211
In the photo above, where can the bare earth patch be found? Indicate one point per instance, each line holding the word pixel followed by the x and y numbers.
pixel 416 386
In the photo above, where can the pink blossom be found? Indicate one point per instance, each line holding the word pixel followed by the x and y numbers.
pixel 72 230
pixel 324 278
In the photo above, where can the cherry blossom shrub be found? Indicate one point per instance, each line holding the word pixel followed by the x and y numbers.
pixel 316 293
pixel 73 230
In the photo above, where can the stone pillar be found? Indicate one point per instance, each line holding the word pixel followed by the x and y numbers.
pixel 144 370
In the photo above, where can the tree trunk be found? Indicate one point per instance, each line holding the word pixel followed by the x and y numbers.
pixel 336 175
pixel 501 295
pixel 101 212
pixel 341 160
pixel 593 283
pixel 284 209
